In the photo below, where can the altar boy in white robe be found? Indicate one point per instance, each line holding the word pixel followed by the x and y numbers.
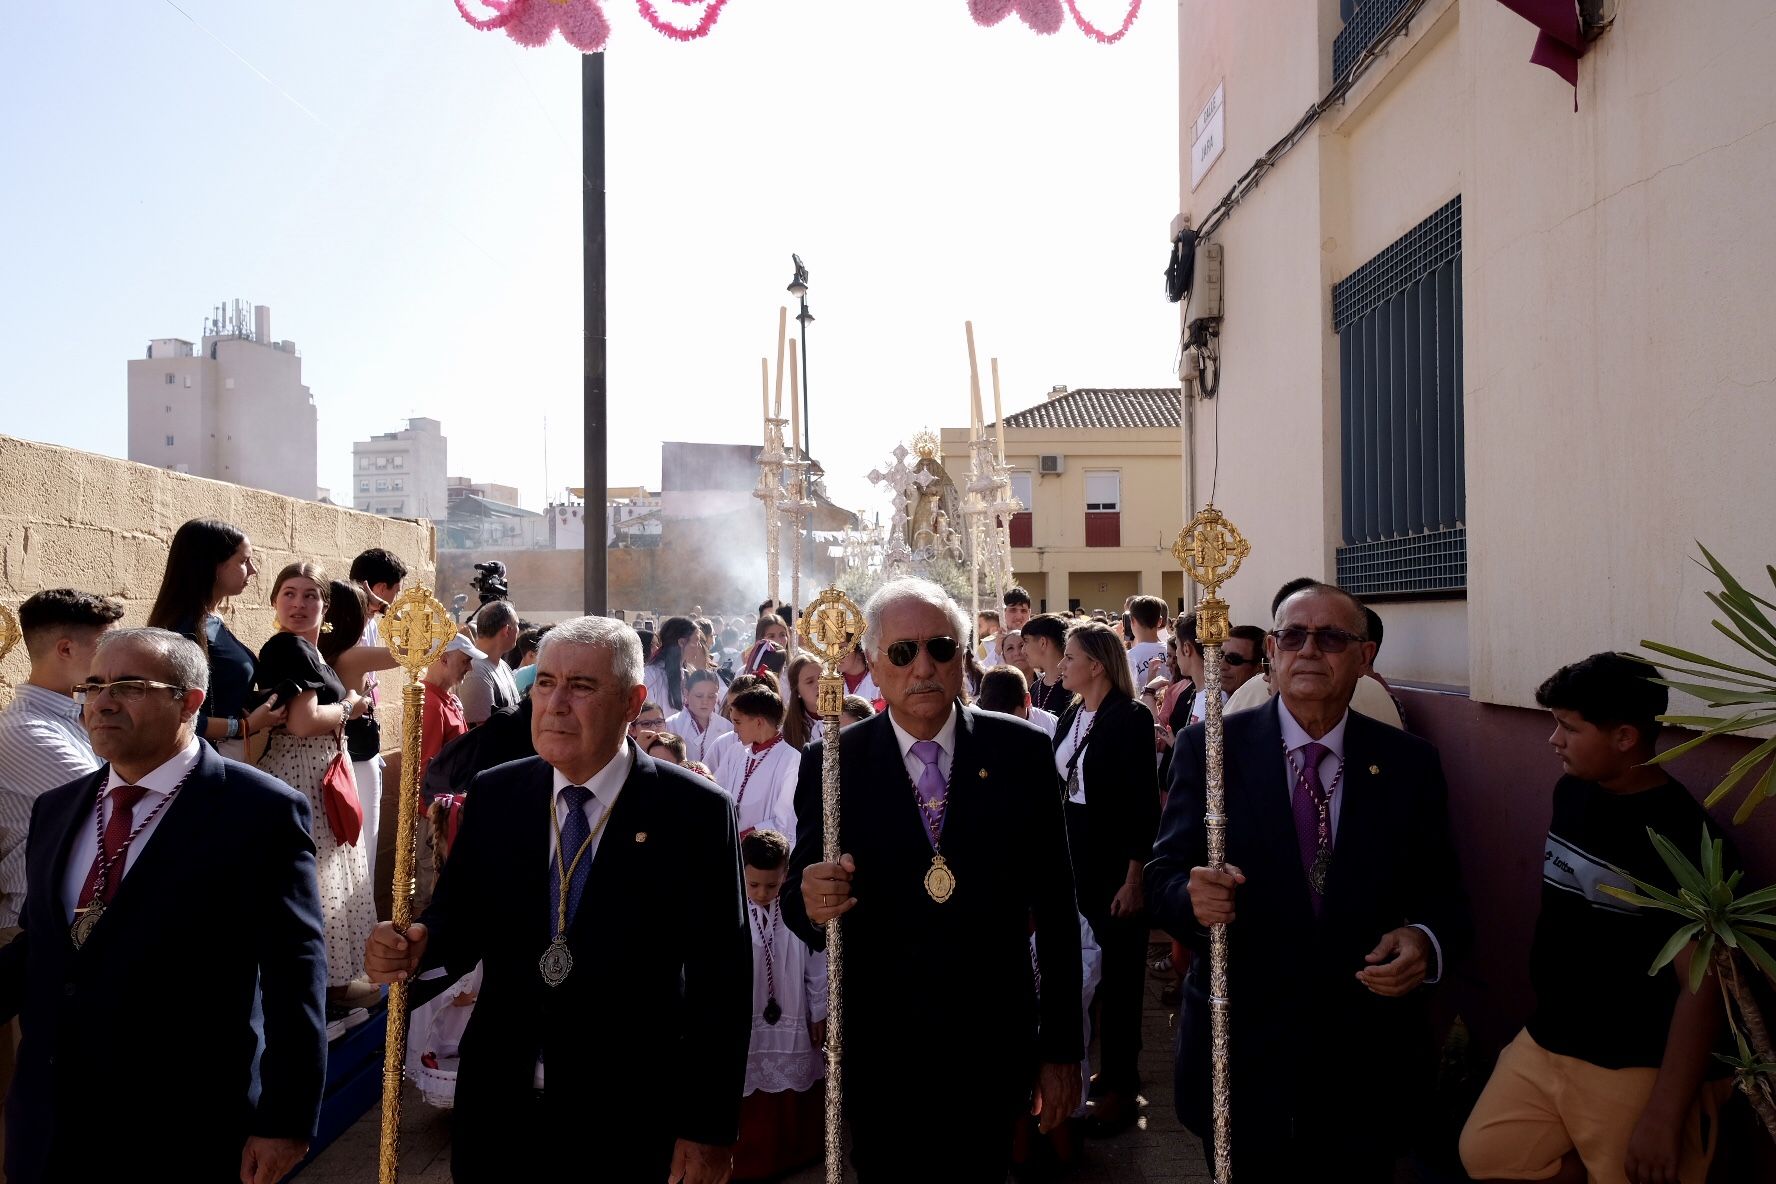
pixel 699 724
pixel 782 1116
pixel 759 772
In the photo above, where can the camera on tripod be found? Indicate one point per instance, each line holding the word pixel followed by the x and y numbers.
pixel 491 581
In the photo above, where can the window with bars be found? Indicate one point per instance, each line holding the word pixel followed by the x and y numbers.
pixel 1363 22
pixel 1398 320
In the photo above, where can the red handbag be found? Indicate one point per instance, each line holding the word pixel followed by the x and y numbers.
pixel 339 794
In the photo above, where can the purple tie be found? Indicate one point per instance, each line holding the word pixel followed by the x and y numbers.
pixel 1308 795
pixel 931 789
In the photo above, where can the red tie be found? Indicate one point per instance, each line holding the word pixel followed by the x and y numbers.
pixel 117 836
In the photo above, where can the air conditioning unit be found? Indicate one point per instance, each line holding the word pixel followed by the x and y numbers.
pixel 1051 464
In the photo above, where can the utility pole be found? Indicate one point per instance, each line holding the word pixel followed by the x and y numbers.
pixel 594 395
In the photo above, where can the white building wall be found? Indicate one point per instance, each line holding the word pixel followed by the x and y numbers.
pixel 1615 263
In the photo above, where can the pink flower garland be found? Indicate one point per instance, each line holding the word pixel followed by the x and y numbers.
pixel 1099 35
pixel 1045 16
pixel 652 15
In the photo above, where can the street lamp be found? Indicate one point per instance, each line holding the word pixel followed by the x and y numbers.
pixel 798 287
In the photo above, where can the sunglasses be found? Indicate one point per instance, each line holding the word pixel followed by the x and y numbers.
pixel 941 649
pixel 1238 660
pixel 1330 641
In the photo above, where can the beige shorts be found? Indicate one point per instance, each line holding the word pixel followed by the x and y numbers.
pixel 1539 1105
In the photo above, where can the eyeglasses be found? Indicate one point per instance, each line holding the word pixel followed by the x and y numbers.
pixel 124 690
pixel 941 649
pixel 1330 641
pixel 658 721
pixel 1238 660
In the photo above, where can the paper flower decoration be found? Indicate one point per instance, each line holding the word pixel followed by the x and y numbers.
pixel 581 23
pixel 1045 16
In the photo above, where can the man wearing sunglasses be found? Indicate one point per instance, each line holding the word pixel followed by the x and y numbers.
pixel 1342 898
pixel 166 862
pixel 955 846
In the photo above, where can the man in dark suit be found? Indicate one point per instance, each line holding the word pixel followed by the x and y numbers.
pixel 601 892
pixel 132 874
pixel 955 845
pixel 1343 900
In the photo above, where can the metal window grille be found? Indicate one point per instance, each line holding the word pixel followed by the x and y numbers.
pixel 1363 20
pixel 1398 320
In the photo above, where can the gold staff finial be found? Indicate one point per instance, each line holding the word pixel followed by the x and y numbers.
pixel 831 627
pixel 416 629
pixel 1210 549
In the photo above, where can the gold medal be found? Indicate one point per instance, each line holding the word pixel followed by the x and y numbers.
pixel 85 921
pixel 557 963
pixel 940 881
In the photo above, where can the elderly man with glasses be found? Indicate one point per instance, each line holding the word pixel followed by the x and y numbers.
pixel 166 863
pixel 955 846
pixel 1343 900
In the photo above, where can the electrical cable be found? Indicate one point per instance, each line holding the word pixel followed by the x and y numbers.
pixel 1249 179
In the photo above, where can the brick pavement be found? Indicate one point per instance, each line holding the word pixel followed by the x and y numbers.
pixel 1156 1151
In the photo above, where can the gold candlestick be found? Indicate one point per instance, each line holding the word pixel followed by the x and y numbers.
pixel 416 629
pixel 1210 550
pixel 831 628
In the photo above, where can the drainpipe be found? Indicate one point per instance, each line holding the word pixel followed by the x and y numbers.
pixel 1188 371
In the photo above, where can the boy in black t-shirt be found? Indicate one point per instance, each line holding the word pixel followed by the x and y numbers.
pixel 1606 1081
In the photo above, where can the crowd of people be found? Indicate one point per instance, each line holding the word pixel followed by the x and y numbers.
pixel 1022 815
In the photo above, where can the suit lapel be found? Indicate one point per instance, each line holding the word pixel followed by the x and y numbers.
pixel 62 828
pixel 1355 845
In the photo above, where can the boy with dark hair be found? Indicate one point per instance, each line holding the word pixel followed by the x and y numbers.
pixel 1606 1080
pixel 758 769
pixel 1017 607
pixel 1146 617
pixel 780 1113
pixel 380 572
pixel 1004 690
pixel 43 744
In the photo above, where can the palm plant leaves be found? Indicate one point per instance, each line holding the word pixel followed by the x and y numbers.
pixel 1726 685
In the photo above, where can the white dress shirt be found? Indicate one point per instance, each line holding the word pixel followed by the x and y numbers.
pixel 158 784
pixel 1295 737
pixel 1048 721
pixel 605 785
pixel 1078 734
pixel 946 743
pixel 42 746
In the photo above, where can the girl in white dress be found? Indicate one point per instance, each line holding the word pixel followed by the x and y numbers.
pixel 698 724
pixel 781 1115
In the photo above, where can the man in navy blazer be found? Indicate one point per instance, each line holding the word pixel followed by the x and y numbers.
pixel 601 892
pixel 1343 901
pixel 167 864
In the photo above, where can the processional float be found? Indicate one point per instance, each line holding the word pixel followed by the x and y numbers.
pixel 416 629
pixel 831 628
pixel 1210 550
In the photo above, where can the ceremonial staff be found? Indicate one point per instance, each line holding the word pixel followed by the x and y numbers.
pixel 831 628
pixel 416 629
pixel 1210 551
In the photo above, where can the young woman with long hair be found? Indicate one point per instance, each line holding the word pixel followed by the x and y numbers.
pixel 208 562
pixel 664 673
pixel 801 720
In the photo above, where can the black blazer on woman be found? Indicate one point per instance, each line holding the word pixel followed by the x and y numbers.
pixel 1121 797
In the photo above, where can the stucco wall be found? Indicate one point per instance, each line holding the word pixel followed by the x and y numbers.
pixel 1617 374
pixel 76 519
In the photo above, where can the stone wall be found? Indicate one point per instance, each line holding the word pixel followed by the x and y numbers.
pixel 76 519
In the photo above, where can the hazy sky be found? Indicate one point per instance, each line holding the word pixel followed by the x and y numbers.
pixel 404 192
